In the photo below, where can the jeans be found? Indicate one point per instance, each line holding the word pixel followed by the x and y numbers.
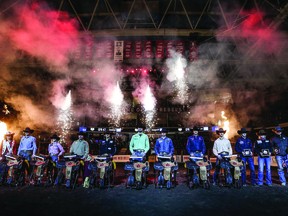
pixel 267 162
pixel 26 154
pixel 250 162
pixel 54 158
pixel 280 160
pixel 217 171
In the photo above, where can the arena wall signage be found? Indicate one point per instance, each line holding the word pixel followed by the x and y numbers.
pixel 140 49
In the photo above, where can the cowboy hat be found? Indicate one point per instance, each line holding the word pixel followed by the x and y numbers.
pixel 27 129
pixel 195 128
pixel 54 136
pixel 221 130
pixel 277 129
pixel 242 130
pixel 81 133
pixel 163 130
pixel 261 132
pixel 9 133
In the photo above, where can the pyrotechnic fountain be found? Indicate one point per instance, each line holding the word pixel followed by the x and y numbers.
pixel 116 105
pixel 149 104
pixel 65 119
pixel 224 123
pixel 177 74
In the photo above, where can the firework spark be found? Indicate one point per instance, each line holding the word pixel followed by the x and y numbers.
pixel 224 123
pixel 149 103
pixel 117 105
pixel 65 119
pixel 177 75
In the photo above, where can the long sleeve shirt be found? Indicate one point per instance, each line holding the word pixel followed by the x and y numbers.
pixel 281 144
pixel 27 143
pixel 7 146
pixel 55 148
pixel 242 144
pixel 164 144
pixel 139 141
pixel 220 145
pixel 80 147
pixel 262 144
pixel 195 143
pixel 107 147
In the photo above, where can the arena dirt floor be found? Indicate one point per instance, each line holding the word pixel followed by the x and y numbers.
pixel 31 200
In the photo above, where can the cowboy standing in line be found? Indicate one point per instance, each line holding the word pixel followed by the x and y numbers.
pixel 80 147
pixel 196 147
pixel 107 145
pixel 27 147
pixel 244 147
pixel 164 144
pixel 55 149
pixel 8 143
pixel 195 143
pixel 139 141
pixel 220 145
pixel 263 148
pixel 280 147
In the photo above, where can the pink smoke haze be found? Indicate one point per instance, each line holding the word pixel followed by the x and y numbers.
pixel 58 93
pixel 256 33
pixel 253 28
pixel 44 33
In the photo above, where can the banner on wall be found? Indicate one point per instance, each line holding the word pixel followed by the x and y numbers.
pixel 127 49
pixel 159 50
pixel 104 49
pixel 148 50
pixel 88 50
pixel 169 47
pixel 138 49
pixel 193 51
pixel 179 47
pixel 118 50
pixel 108 49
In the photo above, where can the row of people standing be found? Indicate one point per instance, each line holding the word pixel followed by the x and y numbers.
pixel 262 147
pixel 195 143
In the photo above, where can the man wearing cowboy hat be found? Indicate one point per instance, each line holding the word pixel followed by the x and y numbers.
pixel 244 147
pixel 280 146
pixel 196 147
pixel 164 144
pixel 7 143
pixel 107 145
pixel 220 145
pixel 195 143
pixel 55 149
pixel 80 146
pixel 139 141
pixel 27 146
pixel 263 148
